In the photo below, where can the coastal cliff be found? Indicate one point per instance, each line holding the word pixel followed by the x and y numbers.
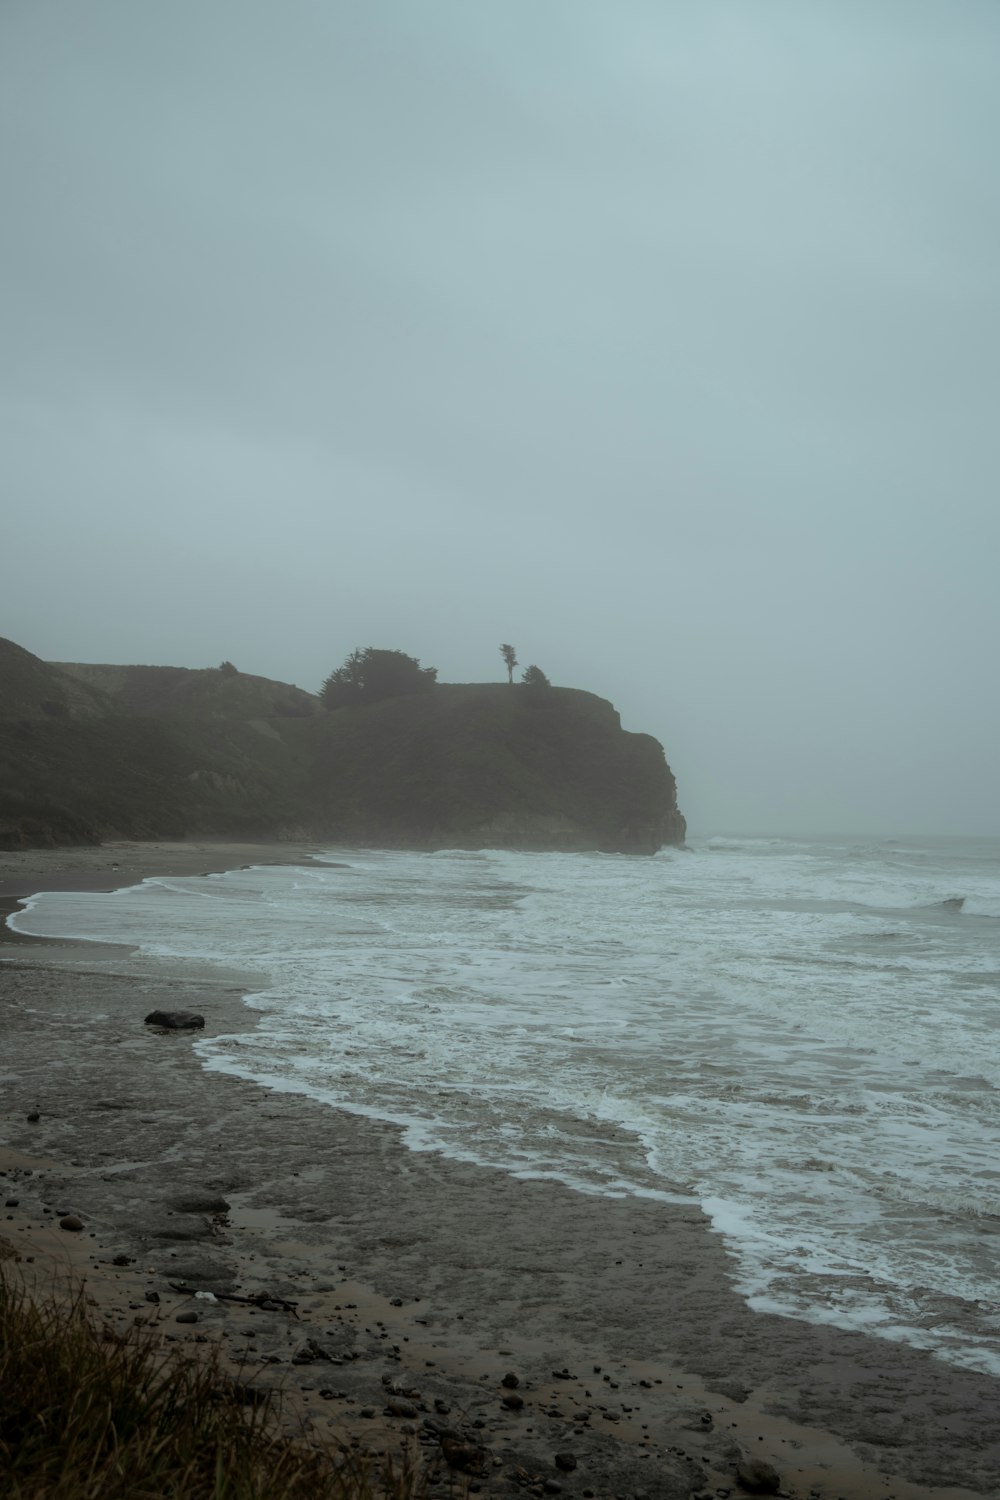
pixel 485 765
pixel 94 752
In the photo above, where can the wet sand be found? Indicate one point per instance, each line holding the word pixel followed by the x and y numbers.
pixel 417 1283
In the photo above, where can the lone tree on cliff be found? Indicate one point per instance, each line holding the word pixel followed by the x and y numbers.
pixel 509 660
pixel 371 674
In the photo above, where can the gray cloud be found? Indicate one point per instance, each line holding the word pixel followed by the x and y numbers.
pixel 660 340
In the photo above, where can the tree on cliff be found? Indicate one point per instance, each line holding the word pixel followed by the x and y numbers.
pixel 509 660
pixel 371 674
pixel 534 677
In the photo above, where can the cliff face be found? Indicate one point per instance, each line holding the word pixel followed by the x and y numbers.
pixel 479 766
pixel 221 753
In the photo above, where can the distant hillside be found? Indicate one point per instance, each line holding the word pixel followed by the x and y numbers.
pixel 88 753
pixel 33 689
pixel 208 693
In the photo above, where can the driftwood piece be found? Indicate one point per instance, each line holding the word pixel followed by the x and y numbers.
pixel 257 1300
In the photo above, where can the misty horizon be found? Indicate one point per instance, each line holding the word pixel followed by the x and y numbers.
pixel 661 342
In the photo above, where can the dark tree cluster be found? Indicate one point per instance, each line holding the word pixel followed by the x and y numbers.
pixel 369 675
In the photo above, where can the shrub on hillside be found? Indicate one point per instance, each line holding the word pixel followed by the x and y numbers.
pixel 369 675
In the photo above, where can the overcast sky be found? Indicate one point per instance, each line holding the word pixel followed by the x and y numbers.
pixel 659 339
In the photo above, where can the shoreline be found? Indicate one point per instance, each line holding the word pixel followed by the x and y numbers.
pixel 332 1211
pixel 108 867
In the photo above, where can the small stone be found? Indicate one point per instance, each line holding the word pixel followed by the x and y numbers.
pixel 367 1411
pixel 552 1487
pixel 468 1458
pixel 120 1260
pixel 186 1317
pixel 566 1462
pixel 510 1380
pixel 33 1118
pixel 71 1223
pixel 512 1400
pixel 12 1202
pixel 758 1477
pixel 397 1407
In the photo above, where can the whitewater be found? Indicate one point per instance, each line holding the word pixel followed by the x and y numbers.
pixel 799 1036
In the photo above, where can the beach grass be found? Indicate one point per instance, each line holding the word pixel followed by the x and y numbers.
pixel 90 1414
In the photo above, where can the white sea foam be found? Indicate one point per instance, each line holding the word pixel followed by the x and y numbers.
pixel 800 1036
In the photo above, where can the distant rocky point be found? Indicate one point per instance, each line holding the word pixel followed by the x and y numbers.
pixel 91 752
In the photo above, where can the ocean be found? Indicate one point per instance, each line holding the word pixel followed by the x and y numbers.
pixel 800 1036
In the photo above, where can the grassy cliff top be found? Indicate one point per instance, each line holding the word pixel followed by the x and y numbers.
pixel 206 692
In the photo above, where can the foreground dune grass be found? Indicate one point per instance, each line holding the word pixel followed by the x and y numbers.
pixel 86 1414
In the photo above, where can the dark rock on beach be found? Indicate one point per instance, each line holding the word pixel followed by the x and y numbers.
pixel 178 1228
pixel 758 1477
pixel 210 1272
pixel 466 1457
pixel 397 1407
pixel 198 1203
pixel 175 1020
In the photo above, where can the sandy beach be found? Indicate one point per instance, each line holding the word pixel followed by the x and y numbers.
pixel 392 1292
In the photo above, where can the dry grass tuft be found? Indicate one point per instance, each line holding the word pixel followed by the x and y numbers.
pixel 86 1414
